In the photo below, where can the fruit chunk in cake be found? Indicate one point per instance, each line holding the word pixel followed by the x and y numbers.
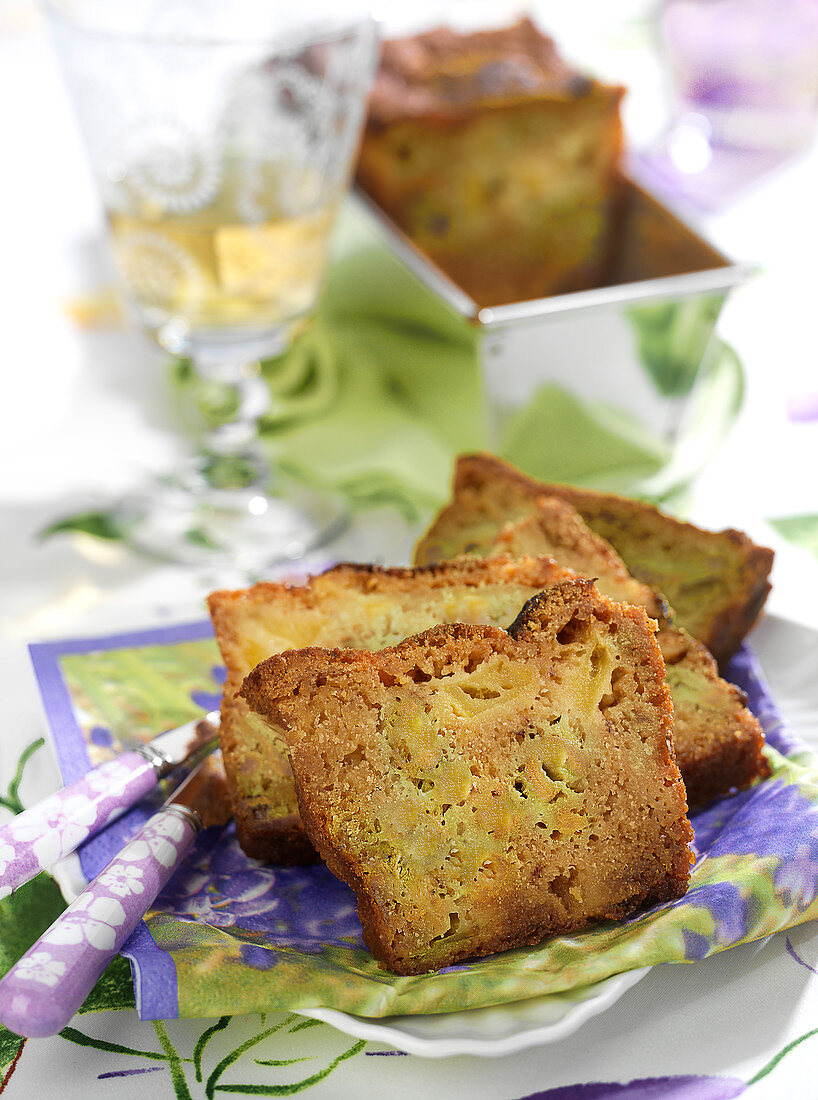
pixel 481 789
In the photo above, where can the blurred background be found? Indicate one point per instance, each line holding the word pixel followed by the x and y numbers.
pixel 720 123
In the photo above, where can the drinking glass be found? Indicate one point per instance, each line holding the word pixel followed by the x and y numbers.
pixel 221 134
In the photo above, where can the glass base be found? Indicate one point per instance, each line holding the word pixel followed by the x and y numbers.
pixel 237 527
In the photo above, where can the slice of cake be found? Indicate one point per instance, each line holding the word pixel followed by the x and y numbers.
pixel 715 581
pixel 480 790
pixel 497 159
pixel 719 743
pixel 554 528
pixel 355 606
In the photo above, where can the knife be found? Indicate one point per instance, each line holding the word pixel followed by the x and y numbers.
pixel 44 989
pixel 36 839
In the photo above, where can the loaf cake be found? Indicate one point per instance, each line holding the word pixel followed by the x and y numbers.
pixel 355 606
pixel 715 581
pixel 497 159
pixel 482 789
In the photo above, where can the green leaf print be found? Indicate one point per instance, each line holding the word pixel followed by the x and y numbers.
pixel 101 525
pixel 11 799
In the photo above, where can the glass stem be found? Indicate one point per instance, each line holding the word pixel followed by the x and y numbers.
pixel 233 456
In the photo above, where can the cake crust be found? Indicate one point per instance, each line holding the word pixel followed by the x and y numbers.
pixel 553 527
pixel 468 828
pixel 719 743
pixel 446 75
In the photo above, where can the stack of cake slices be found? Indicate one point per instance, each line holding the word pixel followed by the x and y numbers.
pixel 502 742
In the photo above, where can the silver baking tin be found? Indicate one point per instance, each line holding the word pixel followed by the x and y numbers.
pixel 713 272
pixel 587 344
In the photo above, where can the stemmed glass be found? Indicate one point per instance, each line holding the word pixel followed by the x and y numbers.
pixel 221 134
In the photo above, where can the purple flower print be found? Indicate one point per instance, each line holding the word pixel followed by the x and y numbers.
pixel 259 958
pixel 207 700
pixel 214 888
pixel 302 907
pixel 102 736
pixel 649 1088
pixel 796 879
pixel 744 670
pixel 709 823
pixel 727 908
pixel 777 821
pixel 772 819
pixel 794 955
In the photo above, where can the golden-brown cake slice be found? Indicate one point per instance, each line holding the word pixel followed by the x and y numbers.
pixel 480 790
pixel 357 606
pixel 497 159
pixel 715 581
pixel 719 743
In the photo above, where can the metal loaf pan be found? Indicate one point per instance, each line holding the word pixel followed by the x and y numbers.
pixel 638 354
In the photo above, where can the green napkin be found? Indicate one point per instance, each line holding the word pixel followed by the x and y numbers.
pixel 383 389
pixel 557 437
pixel 801 530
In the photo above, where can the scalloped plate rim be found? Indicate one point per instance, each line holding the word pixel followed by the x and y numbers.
pixel 471 1041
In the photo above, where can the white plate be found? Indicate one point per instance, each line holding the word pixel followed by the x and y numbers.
pixel 487 1032
pixel 789 656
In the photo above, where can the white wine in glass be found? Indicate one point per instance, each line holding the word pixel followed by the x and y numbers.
pixel 222 138
pixel 248 260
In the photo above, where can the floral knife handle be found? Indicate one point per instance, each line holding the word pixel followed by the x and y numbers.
pixel 41 993
pixel 36 839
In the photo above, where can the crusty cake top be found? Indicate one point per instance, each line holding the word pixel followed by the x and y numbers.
pixel 450 74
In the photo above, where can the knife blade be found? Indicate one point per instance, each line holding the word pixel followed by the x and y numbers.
pixel 36 839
